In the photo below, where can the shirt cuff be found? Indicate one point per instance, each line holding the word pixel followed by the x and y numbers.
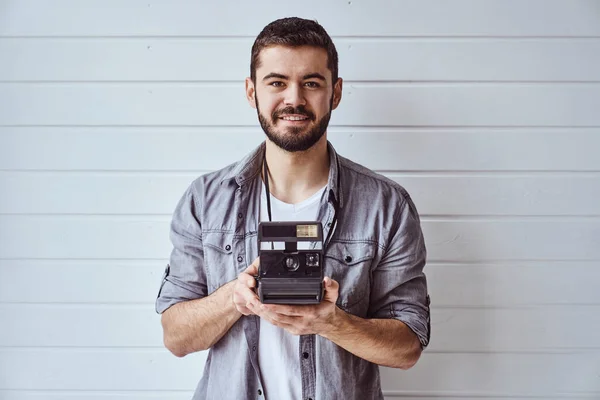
pixel 171 294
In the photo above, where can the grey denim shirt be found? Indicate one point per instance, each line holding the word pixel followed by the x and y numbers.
pixel 377 254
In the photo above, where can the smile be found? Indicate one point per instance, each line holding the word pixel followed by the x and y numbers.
pixel 294 118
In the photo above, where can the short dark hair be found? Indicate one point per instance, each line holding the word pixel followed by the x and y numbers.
pixel 294 32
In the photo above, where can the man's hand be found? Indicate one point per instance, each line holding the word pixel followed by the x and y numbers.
pixel 243 292
pixel 302 319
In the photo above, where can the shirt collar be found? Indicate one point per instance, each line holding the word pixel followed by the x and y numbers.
pixel 250 166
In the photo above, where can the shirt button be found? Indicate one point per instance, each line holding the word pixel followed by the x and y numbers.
pixel 228 247
pixel 253 348
pixel 305 355
pixel 348 259
pixel 259 392
pixel 240 259
pixel 240 215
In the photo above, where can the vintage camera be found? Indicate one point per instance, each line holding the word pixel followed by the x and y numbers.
pixel 291 262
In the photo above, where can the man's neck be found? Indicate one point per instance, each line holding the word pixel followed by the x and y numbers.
pixel 294 177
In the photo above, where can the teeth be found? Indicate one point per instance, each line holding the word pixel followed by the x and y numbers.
pixel 294 118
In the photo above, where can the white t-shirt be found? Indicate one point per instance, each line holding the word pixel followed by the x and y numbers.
pixel 279 350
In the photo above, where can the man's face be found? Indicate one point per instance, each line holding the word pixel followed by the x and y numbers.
pixel 293 95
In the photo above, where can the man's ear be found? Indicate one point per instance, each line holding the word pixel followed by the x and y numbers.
pixel 250 93
pixel 337 93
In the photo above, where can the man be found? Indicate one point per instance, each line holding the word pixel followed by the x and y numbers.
pixel 375 309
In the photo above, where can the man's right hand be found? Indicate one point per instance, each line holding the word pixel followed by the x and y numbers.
pixel 243 291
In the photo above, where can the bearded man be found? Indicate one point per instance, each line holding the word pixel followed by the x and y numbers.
pixel 375 308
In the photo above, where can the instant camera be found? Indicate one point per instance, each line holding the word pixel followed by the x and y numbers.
pixel 291 262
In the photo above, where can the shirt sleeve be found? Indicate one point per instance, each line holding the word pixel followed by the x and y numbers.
pixel 399 288
pixel 185 277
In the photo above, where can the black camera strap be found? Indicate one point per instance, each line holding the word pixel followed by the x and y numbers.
pixel 266 181
pixel 268 194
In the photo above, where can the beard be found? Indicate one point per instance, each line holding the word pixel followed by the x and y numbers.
pixel 293 139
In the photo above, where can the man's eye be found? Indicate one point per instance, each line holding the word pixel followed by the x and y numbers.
pixel 312 84
pixel 276 84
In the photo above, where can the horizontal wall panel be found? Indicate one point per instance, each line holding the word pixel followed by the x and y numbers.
pixel 503 195
pixel 125 104
pixel 99 369
pixel 543 375
pixel 530 329
pixel 98 395
pixel 120 193
pixel 184 395
pixel 515 329
pixel 67 281
pixel 512 239
pixel 202 149
pixel 483 374
pixel 340 17
pixel 514 284
pixel 398 395
pixel 372 104
pixel 360 59
pixel 80 326
pixel 489 285
pixel 78 237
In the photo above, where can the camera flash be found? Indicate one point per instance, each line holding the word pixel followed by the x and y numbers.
pixel 307 231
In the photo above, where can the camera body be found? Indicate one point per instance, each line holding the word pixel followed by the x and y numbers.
pixel 291 262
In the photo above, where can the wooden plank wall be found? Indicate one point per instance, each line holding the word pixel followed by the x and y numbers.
pixel 486 111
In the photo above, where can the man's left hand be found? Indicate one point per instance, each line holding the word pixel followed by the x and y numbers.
pixel 302 319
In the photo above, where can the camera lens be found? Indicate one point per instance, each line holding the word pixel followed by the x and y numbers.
pixel 291 263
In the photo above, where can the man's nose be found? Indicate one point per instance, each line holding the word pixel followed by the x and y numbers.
pixel 294 96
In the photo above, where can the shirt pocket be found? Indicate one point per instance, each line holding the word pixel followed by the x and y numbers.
pixel 218 259
pixel 349 263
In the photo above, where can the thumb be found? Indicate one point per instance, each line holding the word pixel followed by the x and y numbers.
pixel 253 268
pixel 331 289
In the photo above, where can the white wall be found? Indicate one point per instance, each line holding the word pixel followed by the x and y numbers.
pixel 485 110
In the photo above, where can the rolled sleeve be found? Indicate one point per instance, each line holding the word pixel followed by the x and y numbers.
pixel 399 288
pixel 185 277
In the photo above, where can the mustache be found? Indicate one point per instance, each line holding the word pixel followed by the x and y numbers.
pixel 300 110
